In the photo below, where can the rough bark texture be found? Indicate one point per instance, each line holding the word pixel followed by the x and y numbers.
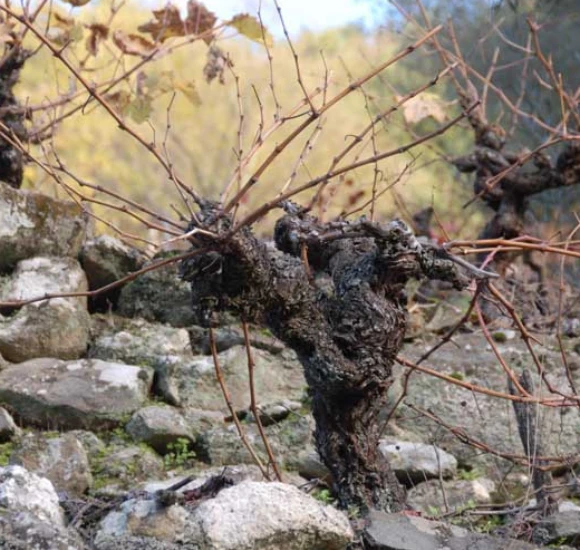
pixel 509 198
pixel 12 122
pixel 343 313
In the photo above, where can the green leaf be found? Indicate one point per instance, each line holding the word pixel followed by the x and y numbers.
pixel 251 28
pixel 140 109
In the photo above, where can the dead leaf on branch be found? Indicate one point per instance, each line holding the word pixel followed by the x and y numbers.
pixel 98 33
pixel 199 18
pixel 133 44
pixel 251 28
pixel 424 106
pixel 168 22
pixel 154 85
pixel 64 30
pixel 62 21
pixel 119 101
pixel 138 108
pixel 216 64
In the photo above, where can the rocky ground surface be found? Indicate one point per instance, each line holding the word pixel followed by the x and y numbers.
pixel 114 433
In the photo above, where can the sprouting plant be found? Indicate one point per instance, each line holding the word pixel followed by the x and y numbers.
pixel 179 453
pixel 324 496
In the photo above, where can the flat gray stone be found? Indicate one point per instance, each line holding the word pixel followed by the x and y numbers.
pixel 417 462
pixel 403 532
pixel 135 341
pixel 276 378
pixel 83 394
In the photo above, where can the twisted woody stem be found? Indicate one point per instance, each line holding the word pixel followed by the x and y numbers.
pixel 341 308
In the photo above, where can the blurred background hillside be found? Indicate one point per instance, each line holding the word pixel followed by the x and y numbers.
pixel 197 121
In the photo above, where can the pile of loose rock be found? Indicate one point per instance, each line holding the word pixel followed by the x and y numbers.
pixel 114 432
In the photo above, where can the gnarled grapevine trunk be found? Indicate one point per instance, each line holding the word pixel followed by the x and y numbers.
pixel 11 116
pixel 342 311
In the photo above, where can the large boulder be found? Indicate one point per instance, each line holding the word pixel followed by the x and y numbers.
pixel 63 460
pixel 83 394
pixel 32 224
pixel 248 516
pixel 30 515
pixel 22 491
pixel 37 329
pixel 258 515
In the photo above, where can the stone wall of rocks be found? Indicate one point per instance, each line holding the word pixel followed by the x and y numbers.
pixel 106 402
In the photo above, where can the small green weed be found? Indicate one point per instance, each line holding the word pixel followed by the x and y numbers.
pixel 178 454
pixel 324 496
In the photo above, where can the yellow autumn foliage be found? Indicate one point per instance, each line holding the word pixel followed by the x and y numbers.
pixel 196 124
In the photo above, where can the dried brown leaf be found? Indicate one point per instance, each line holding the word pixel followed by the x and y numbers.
pixel 98 33
pixel 62 21
pixel 199 19
pixel 119 101
pixel 167 24
pixel 133 44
